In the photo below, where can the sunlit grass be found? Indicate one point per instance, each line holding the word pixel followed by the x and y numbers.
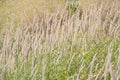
pixel 60 40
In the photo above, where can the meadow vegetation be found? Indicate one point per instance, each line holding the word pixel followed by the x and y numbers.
pixel 59 40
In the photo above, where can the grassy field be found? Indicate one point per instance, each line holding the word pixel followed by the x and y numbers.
pixel 59 40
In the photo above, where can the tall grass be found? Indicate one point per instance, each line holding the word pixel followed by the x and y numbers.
pixel 81 41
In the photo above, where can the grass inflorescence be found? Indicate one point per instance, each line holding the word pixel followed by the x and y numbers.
pixel 60 40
